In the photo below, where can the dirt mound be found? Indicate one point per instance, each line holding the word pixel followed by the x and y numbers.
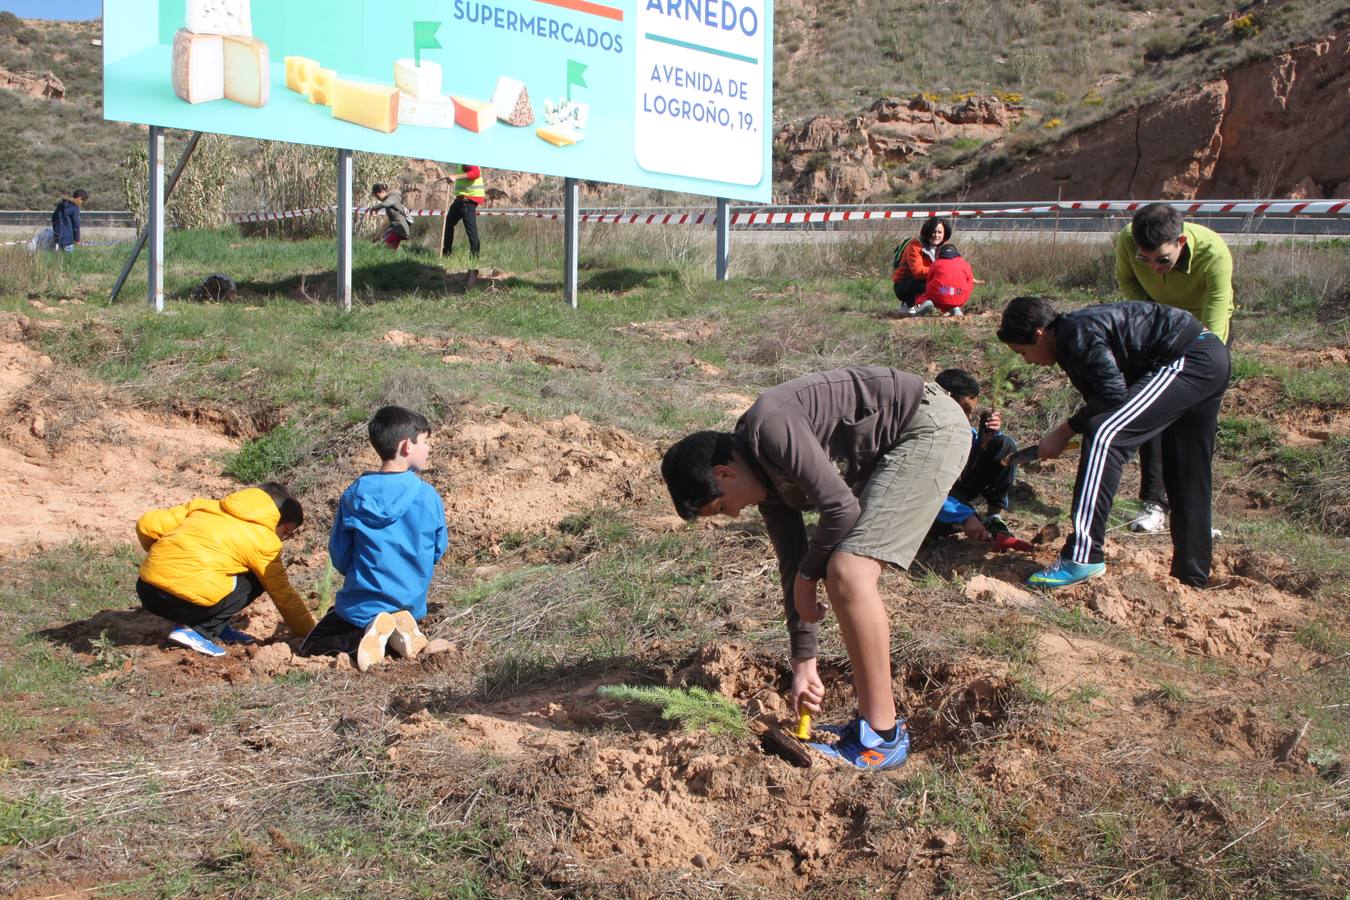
pixel 507 474
pixel 689 331
pixel 642 796
pixel 67 448
pixel 1237 618
pixel 461 348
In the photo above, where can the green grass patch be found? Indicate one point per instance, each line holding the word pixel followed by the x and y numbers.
pixel 694 708
pixel 30 820
pixel 267 458
pixel 1243 437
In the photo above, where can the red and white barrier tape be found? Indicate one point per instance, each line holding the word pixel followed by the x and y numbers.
pixel 708 217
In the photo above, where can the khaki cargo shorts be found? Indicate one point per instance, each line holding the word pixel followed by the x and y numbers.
pixel 902 498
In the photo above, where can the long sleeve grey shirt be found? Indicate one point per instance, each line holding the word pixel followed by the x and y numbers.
pixel 815 441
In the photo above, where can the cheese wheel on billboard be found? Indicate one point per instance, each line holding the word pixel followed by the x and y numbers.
pixel 198 66
pixel 219 17
pixel 512 101
pixel 429 112
pixel 420 81
pixel 247 72
pixel 475 115
pixel 371 105
pixel 299 70
pixel 319 87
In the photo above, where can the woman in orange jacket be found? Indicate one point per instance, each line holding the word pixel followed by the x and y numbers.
pixel 910 277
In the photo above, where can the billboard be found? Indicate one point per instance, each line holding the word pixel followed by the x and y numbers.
pixel 672 94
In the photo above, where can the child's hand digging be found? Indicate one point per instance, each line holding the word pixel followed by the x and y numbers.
pixel 807 689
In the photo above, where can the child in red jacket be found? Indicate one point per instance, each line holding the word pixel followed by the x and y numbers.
pixel 950 281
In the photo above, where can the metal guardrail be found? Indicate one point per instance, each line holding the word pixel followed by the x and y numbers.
pixel 89 218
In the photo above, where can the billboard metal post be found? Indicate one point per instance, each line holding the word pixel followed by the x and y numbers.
pixel 145 233
pixel 723 238
pixel 154 217
pixel 344 229
pixel 571 235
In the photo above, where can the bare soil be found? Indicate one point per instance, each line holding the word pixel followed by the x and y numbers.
pixel 76 461
pixel 598 797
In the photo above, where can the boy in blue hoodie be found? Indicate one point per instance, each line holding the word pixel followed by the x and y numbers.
pixel 387 536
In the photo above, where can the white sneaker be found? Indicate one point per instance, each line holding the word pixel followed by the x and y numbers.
pixel 1151 520
pixel 407 640
pixel 371 649
pixel 923 308
pixel 954 312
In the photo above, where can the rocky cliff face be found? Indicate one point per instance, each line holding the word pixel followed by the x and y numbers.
pixel 1275 128
pixel 46 86
pixel 829 159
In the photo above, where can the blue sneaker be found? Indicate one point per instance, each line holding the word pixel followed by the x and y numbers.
pixel 863 748
pixel 1066 572
pixel 195 640
pixel 231 635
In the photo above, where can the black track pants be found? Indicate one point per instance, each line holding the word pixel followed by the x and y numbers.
pixel 1151 488
pixel 1179 401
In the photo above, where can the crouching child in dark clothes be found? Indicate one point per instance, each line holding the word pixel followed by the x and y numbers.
pixel 209 559
pixel 987 473
pixel 388 534
pixel 874 451
pixel 1144 369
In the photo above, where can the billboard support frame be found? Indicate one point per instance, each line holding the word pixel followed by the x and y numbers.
pixel 145 232
pixel 571 238
pixel 723 226
pixel 344 229
pixel 154 220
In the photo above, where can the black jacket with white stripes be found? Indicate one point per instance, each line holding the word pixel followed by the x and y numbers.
pixel 1108 347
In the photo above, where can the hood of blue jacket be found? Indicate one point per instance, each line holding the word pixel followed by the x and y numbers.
pixel 380 499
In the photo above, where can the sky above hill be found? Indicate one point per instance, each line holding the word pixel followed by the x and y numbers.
pixel 60 9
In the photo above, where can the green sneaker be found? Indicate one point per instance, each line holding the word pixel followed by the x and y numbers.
pixel 1066 572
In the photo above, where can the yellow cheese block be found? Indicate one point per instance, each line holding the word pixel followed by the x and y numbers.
pixel 247 70
pixel 557 135
pixel 371 105
pixel 319 87
pixel 475 115
pixel 299 70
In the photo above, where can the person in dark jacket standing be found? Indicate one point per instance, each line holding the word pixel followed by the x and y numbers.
pixel 874 451
pixel 1143 369
pixel 66 220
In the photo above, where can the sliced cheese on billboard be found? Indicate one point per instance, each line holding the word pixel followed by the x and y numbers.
pixel 371 105
pixel 429 112
pixel 512 102
pixel 475 115
pixel 558 136
pixel 198 66
pixel 219 17
pixel 319 87
pixel 420 81
pixel 247 73
pixel 299 70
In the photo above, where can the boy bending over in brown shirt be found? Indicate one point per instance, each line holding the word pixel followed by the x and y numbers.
pixel 873 450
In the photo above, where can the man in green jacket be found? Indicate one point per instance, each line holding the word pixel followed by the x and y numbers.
pixel 1161 258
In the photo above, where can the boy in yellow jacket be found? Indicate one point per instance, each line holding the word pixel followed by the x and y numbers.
pixel 208 559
